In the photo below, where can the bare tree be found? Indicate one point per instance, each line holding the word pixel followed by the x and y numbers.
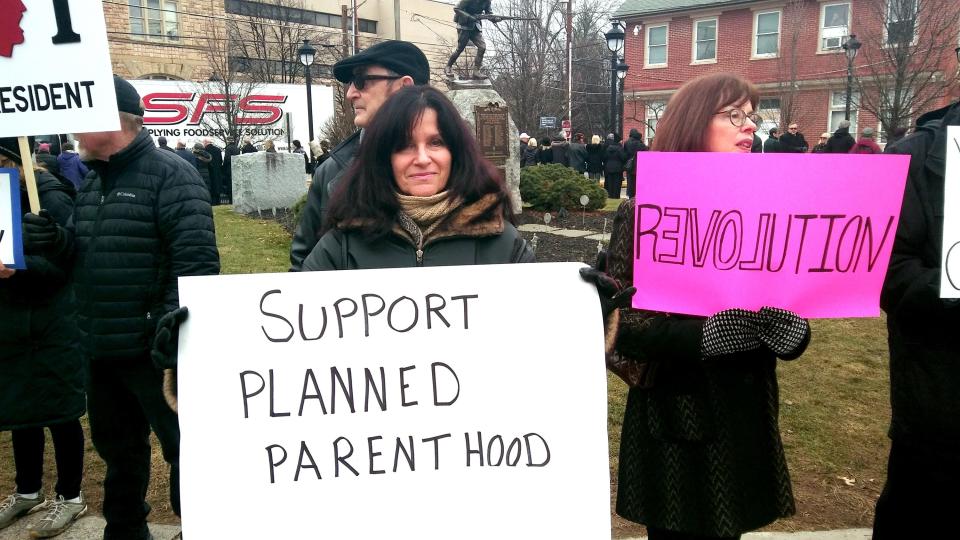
pixel 794 14
pixel 265 37
pixel 901 73
pixel 591 66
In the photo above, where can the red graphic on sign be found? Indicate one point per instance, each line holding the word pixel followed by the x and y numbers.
pixel 11 11
pixel 251 110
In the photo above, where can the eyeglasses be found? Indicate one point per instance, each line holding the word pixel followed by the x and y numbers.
pixel 738 117
pixel 360 81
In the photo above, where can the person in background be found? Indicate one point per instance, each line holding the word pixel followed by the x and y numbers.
pixel 896 135
pixel 578 154
pixel 269 147
pixel 186 155
pixel 560 149
pixel 71 167
pixel 841 141
pixel 369 78
pixel 634 144
pixel 757 146
pixel 529 156
pixel 227 171
pixel 420 193
pixel 772 144
pixel 865 144
pixel 919 497
pixel 46 160
pixel 700 453
pixel 614 161
pixel 322 152
pixel 545 153
pixel 248 147
pixel 214 170
pixel 821 146
pixel 595 158
pixel 41 368
pixel 203 164
pixel 298 149
pixel 793 141
pixel 524 138
pixel 162 144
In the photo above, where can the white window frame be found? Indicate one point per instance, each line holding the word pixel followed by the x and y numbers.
pixel 771 117
pixel 756 21
pixel 163 14
pixel 854 110
pixel 881 134
pixel 716 41
pixel 823 28
pixel 886 25
pixel 666 46
pixel 653 112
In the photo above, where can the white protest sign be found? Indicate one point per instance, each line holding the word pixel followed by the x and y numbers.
pixel 950 268
pixel 11 249
pixel 427 403
pixel 55 72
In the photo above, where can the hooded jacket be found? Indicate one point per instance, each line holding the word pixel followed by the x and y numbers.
pixel 840 142
pixel 72 168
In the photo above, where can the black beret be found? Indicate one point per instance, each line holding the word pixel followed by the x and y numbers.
pixel 128 100
pixel 398 56
pixel 10 148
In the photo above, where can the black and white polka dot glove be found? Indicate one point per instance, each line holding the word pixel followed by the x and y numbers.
pixel 784 332
pixel 731 331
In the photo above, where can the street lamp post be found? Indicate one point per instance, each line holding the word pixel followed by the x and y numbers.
pixel 615 44
pixel 306 52
pixel 850 48
pixel 621 75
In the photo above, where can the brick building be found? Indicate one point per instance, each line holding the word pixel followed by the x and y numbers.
pixel 792 50
pixel 168 39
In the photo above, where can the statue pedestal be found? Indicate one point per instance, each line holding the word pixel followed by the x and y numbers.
pixel 479 103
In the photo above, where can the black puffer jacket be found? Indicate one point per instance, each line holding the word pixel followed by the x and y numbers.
pixel 469 235
pixel 840 142
pixel 321 189
pixel 41 368
pixel 142 219
pixel 923 337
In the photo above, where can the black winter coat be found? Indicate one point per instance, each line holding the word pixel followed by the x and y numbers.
pixel 142 220
pixel 923 338
pixel 630 149
pixel 325 179
pixel 700 450
pixel 41 368
pixel 462 239
pixel 840 142
pixel 595 158
pixel 578 157
pixel 772 146
pixel 794 144
pixel 614 158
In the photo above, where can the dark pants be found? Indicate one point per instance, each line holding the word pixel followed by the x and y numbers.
pixel 631 184
pixel 612 182
pixel 68 449
pixel 920 495
pixel 215 187
pixel 662 534
pixel 465 37
pixel 125 400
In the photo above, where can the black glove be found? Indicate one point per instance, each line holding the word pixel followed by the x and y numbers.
pixel 731 331
pixel 164 353
pixel 41 234
pixel 784 332
pixel 612 294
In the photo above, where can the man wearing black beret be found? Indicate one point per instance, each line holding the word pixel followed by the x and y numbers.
pixel 371 76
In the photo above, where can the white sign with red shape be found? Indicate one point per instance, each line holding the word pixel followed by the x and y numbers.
pixel 55 71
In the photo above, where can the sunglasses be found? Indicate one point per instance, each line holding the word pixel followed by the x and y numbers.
pixel 360 81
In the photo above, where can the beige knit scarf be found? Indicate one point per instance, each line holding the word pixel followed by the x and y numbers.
pixel 427 212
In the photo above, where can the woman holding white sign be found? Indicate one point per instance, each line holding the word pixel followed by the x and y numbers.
pixel 700 454
pixel 41 371
pixel 419 194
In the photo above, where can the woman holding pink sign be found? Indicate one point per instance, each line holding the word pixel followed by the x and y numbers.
pixel 701 454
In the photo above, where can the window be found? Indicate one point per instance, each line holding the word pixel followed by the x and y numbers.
pixel 767 34
pixel 769 111
pixel 834 25
pixel 901 21
pixel 278 12
pixel 654 112
pixel 837 102
pixel 656 46
pixel 705 40
pixel 155 19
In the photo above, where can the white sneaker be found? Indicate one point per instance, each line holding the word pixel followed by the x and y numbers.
pixel 15 507
pixel 59 517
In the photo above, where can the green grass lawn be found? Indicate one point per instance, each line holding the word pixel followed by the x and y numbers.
pixel 834 404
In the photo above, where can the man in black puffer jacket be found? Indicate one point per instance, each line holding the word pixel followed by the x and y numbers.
pixel 142 220
pixel 370 76
pixel 924 466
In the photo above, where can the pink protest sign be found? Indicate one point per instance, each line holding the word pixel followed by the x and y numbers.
pixel 811 233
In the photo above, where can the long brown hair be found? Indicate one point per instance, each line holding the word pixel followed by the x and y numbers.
pixel 683 127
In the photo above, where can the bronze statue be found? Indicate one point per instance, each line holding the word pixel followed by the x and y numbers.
pixel 468 15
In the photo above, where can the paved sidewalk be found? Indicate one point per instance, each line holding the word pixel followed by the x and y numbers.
pixel 86 528
pixel 843 534
pixel 569 233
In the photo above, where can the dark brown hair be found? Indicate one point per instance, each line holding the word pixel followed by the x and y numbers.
pixel 683 126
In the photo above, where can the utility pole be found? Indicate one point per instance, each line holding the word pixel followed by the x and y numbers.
pixel 570 64
pixel 343 30
pixel 396 19
pixel 356 29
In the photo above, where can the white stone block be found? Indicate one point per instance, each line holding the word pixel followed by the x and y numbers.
pixel 265 181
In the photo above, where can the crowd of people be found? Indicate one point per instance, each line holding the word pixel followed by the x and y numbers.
pixel 91 326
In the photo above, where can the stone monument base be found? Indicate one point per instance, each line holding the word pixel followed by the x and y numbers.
pixel 265 181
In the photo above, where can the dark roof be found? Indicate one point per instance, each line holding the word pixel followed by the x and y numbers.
pixel 649 7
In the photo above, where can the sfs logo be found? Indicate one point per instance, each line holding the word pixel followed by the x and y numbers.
pixel 11 12
pixel 174 108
